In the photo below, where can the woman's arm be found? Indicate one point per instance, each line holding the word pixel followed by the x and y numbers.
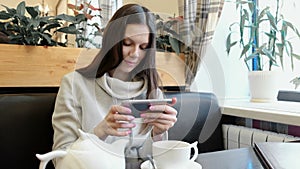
pixel 65 119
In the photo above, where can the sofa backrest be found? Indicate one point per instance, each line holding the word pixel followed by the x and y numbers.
pixel 199 119
pixel 26 129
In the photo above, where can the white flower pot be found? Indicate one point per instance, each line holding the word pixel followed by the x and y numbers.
pixel 264 85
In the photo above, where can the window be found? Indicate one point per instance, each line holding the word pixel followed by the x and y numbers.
pixel 226 76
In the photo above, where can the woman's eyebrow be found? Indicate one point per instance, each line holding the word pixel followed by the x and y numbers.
pixel 128 38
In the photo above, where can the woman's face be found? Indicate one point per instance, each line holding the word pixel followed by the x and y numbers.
pixel 135 42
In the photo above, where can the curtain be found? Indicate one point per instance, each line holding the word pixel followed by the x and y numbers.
pixel 108 7
pixel 200 18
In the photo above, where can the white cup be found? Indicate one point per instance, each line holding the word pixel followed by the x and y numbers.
pixel 169 154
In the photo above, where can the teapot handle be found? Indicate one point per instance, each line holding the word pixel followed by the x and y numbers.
pixel 45 158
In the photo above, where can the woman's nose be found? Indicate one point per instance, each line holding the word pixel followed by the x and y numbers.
pixel 135 51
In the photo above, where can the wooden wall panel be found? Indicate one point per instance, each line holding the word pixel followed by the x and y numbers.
pixel 32 66
pixel 37 66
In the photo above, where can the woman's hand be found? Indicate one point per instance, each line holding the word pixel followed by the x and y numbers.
pixel 162 117
pixel 118 117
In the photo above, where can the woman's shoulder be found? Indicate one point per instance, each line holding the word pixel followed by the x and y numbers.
pixel 76 83
pixel 74 78
pixel 74 75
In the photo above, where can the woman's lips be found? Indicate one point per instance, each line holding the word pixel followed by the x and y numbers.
pixel 130 63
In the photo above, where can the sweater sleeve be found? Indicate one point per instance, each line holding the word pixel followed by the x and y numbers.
pixel 65 119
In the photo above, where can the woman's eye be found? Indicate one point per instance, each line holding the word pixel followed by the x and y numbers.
pixel 126 43
pixel 143 47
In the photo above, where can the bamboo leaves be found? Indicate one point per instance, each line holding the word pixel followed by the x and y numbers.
pixel 261 43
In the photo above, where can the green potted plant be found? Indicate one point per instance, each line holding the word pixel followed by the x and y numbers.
pixel 167 39
pixel 25 25
pixel 270 48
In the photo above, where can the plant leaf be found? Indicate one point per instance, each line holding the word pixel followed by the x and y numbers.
pixel 280 48
pixel 262 14
pixel 245 50
pixel 71 29
pixel 252 55
pixel 229 44
pixel 48 39
pixel 51 26
pixel 269 54
pixel 288 46
pixel 5 16
pixel 80 18
pixel 21 8
pixel 174 44
pixel 296 56
pixel 34 23
pixel 11 11
pixel 270 35
pixel 33 11
pixel 290 25
pixel 65 17
pixel 271 20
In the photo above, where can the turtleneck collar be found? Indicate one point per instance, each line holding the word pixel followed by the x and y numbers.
pixel 121 89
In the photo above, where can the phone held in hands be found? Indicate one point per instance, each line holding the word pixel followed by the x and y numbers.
pixel 138 106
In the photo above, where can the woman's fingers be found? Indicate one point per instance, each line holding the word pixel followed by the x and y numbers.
pixel 119 121
pixel 162 117
pixel 158 115
pixel 168 109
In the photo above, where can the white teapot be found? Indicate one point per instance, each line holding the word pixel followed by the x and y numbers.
pixel 88 152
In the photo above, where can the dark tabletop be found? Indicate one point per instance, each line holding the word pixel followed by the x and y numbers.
pixel 243 158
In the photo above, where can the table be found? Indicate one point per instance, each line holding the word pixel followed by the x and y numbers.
pixel 278 111
pixel 243 158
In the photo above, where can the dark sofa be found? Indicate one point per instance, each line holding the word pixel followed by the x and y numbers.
pixel 25 124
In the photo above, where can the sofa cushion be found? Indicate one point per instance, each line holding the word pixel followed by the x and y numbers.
pixel 25 128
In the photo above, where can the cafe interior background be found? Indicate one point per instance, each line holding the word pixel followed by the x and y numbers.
pixel 224 75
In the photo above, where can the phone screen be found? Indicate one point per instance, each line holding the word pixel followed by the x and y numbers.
pixel 138 106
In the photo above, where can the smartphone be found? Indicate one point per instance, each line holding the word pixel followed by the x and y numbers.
pixel 138 106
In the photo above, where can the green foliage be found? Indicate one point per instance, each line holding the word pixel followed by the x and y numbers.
pixel 25 25
pixel 277 42
pixel 28 30
pixel 80 27
pixel 168 39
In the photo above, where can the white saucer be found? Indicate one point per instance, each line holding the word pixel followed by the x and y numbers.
pixel 191 165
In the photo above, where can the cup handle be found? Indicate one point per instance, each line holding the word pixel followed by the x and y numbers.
pixel 194 146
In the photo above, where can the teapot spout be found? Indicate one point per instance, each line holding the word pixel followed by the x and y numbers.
pixel 45 158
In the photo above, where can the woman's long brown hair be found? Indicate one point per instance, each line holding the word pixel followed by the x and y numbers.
pixel 110 55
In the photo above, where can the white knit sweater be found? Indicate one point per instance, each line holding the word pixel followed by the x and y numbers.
pixel 83 102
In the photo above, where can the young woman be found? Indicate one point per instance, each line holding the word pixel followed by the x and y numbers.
pixel 89 98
